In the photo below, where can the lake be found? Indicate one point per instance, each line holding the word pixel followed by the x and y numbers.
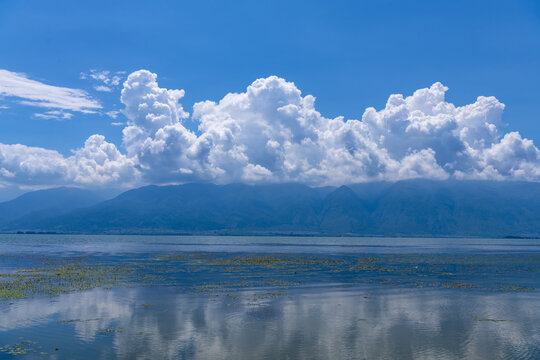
pixel 196 297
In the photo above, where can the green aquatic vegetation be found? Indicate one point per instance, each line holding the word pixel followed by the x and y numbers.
pixel 388 282
pixel 109 330
pixel 11 292
pixel 271 295
pixel 459 285
pixel 270 261
pixel 58 278
pixel 515 288
pixel 449 285
pixel 70 321
pixel 145 333
pixel 282 283
pixel 208 289
pixel 217 274
pixel 489 320
pixel 22 348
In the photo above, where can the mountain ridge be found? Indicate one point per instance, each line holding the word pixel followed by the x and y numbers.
pixel 42 204
pixel 405 208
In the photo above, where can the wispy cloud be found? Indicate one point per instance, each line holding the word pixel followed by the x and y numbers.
pixel 103 88
pixel 104 80
pixel 54 114
pixel 112 114
pixel 35 93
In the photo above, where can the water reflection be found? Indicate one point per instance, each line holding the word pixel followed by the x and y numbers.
pixel 339 323
pixel 120 244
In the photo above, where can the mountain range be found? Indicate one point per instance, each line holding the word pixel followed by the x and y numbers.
pixel 405 208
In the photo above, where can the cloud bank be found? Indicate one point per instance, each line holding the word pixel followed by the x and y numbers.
pixel 97 163
pixel 273 133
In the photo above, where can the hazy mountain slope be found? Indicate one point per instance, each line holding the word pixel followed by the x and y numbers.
pixel 408 208
pixel 198 207
pixel 342 211
pixel 42 204
pixel 483 208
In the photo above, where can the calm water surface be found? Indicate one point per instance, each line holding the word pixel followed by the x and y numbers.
pixel 269 298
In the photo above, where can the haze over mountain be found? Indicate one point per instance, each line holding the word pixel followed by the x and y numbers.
pixel 43 204
pixel 406 208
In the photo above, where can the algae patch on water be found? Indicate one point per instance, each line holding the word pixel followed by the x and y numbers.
pixel 218 274
pixel 490 320
pixel 45 277
pixel 22 348
pixel 109 330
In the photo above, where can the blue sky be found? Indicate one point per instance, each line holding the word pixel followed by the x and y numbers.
pixel 350 55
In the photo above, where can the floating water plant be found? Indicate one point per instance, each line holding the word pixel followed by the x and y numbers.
pixel 109 330
pixel 22 348
pixel 489 320
pixel 217 274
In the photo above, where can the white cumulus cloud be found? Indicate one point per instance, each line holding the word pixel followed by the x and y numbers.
pixel 271 132
pixel 97 163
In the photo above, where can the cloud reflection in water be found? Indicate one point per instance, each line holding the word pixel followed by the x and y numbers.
pixel 371 323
